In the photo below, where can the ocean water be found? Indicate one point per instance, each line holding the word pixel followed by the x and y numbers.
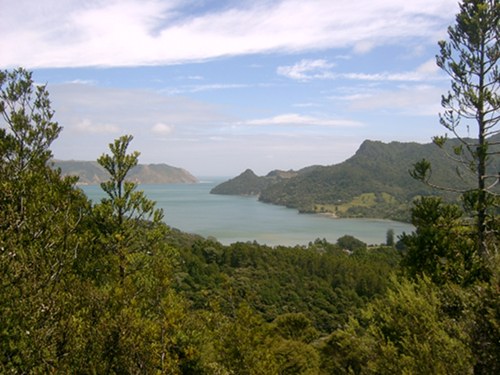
pixel 191 208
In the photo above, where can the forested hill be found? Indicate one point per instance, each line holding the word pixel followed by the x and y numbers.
pixel 248 183
pixel 91 172
pixel 375 182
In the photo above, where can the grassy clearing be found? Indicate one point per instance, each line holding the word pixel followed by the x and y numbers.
pixel 367 200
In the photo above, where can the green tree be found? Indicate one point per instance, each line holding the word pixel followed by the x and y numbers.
pixel 293 352
pixel 484 323
pixel 40 232
pixel 118 165
pixel 296 358
pixel 128 214
pixel 471 58
pixel 451 245
pixel 245 345
pixel 295 326
pixel 404 332
pixel 350 243
pixel 390 238
pixel 442 246
pixel 136 266
pixel 30 129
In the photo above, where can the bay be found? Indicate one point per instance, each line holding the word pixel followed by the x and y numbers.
pixel 191 208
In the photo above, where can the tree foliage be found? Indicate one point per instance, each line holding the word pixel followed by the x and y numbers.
pixel 30 129
pixel 442 246
pixel 128 217
pixel 404 332
pixel 471 58
pixel 40 229
pixel 457 247
pixel 126 202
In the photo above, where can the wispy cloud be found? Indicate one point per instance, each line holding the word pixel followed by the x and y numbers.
pixel 92 116
pixel 207 87
pixel 130 108
pixel 306 70
pixel 59 33
pixel 298 119
pixel 306 105
pixel 428 71
pixel 82 81
pixel 416 100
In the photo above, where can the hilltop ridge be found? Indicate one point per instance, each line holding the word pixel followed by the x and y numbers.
pixel 248 183
pixel 91 173
pixel 374 183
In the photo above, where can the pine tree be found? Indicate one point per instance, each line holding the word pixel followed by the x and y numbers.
pixel 128 212
pixel 471 58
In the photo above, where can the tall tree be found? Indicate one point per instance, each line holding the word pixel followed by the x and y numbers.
pixel 118 165
pixel 28 129
pixel 137 269
pixel 40 237
pixel 471 58
pixel 127 210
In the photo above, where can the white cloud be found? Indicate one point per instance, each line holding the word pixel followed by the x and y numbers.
pixel 419 100
pixel 297 119
pixel 383 76
pixel 306 105
pixel 415 51
pixel 207 87
pixel 89 127
pixel 306 70
pixel 162 129
pixel 59 33
pixel 363 47
pixel 92 117
pixel 429 69
pixel 82 81
pixel 130 108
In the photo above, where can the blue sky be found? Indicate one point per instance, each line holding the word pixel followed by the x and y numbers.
pixel 216 87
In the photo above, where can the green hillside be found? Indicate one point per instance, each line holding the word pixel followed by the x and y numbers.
pixel 248 183
pixel 375 182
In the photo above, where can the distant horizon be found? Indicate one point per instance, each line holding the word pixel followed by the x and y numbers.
pixel 225 176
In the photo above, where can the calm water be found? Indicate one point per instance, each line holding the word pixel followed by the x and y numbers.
pixel 190 208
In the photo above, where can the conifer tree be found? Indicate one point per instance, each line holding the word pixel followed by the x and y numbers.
pixel 471 58
pixel 126 210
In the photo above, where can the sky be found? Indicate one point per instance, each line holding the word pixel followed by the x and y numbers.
pixel 219 86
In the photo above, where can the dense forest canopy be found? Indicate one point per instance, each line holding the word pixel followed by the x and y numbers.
pixel 109 288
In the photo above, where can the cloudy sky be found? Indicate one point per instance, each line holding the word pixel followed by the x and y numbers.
pixel 218 86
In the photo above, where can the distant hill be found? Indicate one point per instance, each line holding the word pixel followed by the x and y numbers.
pixel 248 183
pixel 90 172
pixel 375 182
